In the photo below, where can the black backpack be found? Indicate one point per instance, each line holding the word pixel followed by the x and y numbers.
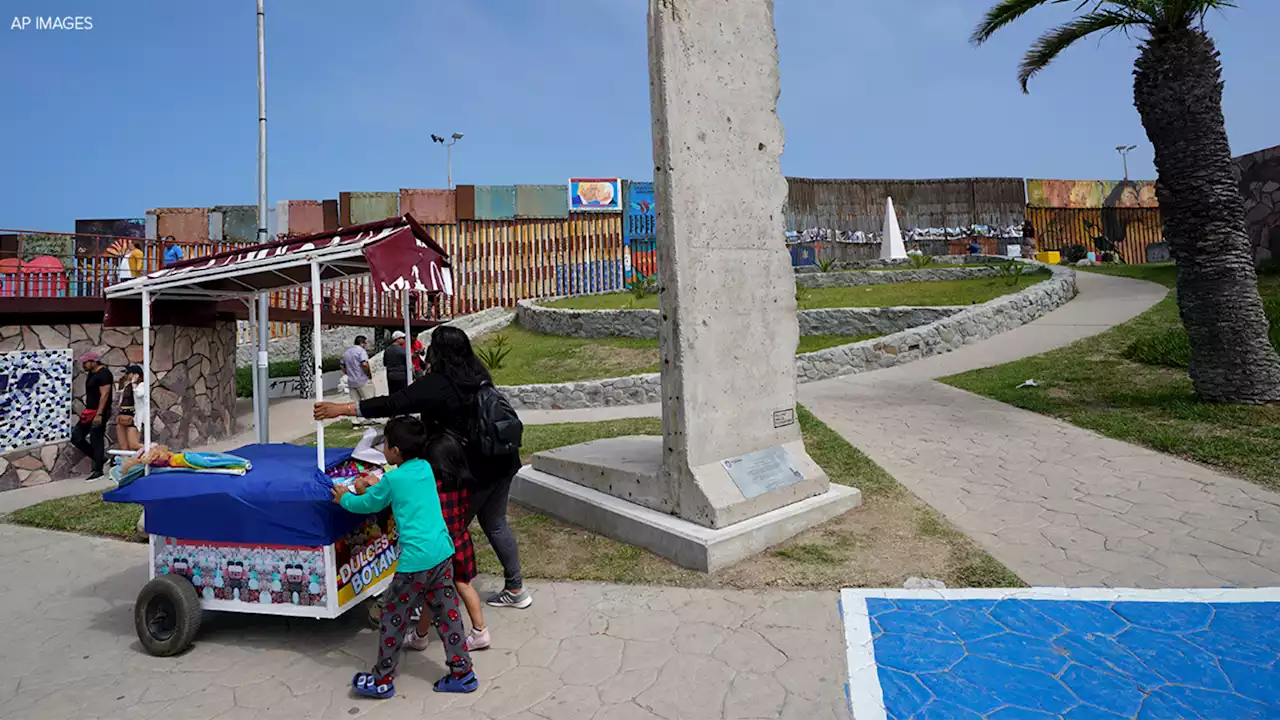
pixel 496 430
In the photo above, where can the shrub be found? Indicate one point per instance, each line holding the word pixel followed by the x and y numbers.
pixel 1074 253
pixel 644 285
pixel 492 355
pixel 1270 267
pixel 826 264
pixel 919 260
pixel 278 368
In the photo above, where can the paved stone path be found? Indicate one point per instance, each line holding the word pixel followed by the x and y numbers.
pixel 582 652
pixel 1058 505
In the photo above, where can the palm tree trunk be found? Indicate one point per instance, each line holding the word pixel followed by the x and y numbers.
pixel 1178 93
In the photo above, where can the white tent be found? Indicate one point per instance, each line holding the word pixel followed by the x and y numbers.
pixel 892 247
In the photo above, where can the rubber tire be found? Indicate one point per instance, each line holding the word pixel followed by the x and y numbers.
pixel 373 612
pixel 187 615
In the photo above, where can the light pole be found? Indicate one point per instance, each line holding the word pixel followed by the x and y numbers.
pixel 1124 155
pixel 262 129
pixel 453 140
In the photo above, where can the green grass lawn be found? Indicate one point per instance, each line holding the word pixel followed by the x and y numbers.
pixel 943 292
pixel 86 514
pixel 1130 383
pixel 538 358
pixel 891 537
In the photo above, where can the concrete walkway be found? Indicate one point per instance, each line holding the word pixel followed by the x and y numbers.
pixel 1058 505
pixel 582 652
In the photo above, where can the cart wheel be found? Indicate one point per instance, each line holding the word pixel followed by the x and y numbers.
pixel 167 615
pixel 373 608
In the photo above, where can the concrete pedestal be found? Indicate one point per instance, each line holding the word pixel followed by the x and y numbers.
pixel 606 487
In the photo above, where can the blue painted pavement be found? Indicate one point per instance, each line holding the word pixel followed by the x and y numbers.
pixel 1025 659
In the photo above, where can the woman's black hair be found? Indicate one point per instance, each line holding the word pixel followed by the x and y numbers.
pixel 408 435
pixel 450 355
pixel 448 461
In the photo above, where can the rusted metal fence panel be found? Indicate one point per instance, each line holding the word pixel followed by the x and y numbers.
pixel 1131 230
pixel 357 208
pixel 429 207
pixel 542 201
pixel 495 202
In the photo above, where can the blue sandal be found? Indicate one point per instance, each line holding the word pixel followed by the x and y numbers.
pixel 366 685
pixel 457 684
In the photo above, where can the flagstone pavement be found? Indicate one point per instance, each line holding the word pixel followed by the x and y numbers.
pixel 581 652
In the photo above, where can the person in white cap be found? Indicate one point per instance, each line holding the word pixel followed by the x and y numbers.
pixel 396 359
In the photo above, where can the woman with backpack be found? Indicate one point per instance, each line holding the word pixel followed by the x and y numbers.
pixel 456 395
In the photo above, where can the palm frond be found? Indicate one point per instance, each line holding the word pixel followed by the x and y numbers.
pixel 1048 46
pixel 1004 13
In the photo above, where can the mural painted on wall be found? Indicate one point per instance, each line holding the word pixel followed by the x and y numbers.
pixel 640 232
pixel 249 574
pixel 106 232
pixel 595 195
pixel 35 398
pixel 1091 193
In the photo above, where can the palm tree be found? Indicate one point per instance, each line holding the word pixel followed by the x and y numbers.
pixel 1177 89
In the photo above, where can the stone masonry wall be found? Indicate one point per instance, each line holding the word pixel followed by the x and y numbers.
pixel 1259 178
pixel 891 277
pixel 193 391
pixel 869 321
pixel 969 325
pixel 532 315
pixel 845 265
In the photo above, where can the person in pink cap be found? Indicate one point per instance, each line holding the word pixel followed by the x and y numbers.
pixel 89 434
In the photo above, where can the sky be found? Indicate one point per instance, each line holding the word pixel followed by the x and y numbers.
pixel 156 105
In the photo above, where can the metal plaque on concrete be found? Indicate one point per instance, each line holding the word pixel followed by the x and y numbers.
pixel 762 472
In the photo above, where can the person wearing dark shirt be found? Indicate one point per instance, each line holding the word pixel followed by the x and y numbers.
pixel 89 434
pixel 396 360
pixel 445 398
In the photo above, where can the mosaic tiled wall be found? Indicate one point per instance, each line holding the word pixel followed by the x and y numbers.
pixel 35 398
pixel 193 388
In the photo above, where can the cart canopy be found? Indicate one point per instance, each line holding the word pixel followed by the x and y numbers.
pixel 282 500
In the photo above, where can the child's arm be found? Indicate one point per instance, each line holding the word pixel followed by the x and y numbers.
pixel 373 500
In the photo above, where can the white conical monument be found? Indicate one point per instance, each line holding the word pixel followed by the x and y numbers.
pixel 892 247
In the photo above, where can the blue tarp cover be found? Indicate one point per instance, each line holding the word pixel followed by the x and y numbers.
pixel 283 500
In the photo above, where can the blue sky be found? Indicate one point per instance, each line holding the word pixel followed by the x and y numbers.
pixel 156 105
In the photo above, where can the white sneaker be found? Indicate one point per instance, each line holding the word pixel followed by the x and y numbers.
pixel 417 642
pixel 478 640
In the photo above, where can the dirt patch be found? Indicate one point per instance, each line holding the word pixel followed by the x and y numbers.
pixel 880 544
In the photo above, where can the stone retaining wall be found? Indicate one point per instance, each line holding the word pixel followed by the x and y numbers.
pixel 643 324
pixel 844 265
pixel 193 388
pixel 532 315
pixel 869 321
pixel 968 325
pixel 963 328
pixel 857 278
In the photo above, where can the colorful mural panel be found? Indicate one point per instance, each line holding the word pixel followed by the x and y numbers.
pixel 1091 193
pixel 35 398
pixel 595 195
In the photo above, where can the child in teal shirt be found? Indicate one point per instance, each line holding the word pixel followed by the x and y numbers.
pixel 425 567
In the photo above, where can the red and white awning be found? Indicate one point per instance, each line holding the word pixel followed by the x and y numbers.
pixel 398 253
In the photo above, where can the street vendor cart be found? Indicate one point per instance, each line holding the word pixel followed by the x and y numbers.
pixel 267 539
